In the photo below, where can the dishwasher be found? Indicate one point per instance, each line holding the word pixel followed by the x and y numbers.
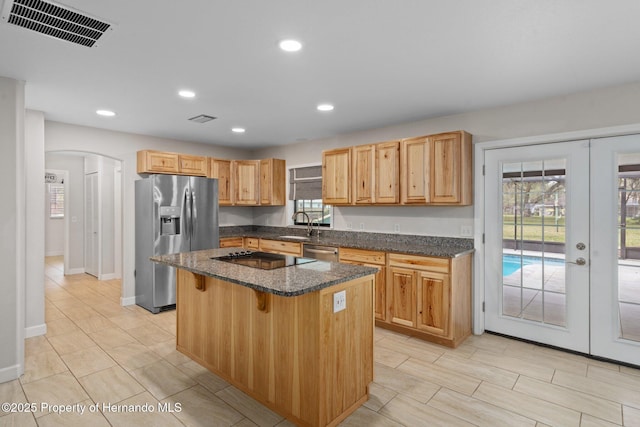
pixel 320 252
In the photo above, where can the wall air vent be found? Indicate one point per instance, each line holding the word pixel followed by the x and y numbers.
pixel 54 20
pixel 202 118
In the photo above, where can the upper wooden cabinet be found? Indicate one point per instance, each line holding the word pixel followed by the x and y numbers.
pixel 376 173
pixel 426 170
pixel 336 176
pixel 150 161
pixel 221 169
pixel 272 182
pixel 450 168
pixel 246 182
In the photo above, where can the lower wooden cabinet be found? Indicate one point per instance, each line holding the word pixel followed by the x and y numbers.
pixel 429 297
pixel 281 247
pixel 231 242
pixel 371 259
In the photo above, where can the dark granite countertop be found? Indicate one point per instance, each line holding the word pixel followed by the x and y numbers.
pixel 287 281
pixel 446 247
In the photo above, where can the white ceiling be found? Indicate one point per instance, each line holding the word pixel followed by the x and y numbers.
pixel 381 62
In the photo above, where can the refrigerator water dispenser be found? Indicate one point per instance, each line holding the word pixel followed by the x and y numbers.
pixel 169 220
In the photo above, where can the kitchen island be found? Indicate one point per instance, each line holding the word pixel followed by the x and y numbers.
pixel 274 333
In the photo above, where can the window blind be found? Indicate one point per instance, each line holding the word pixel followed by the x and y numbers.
pixel 56 200
pixel 305 183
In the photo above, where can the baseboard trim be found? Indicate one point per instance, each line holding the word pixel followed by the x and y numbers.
pixel 35 331
pixel 127 301
pixel 109 276
pixel 74 271
pixel 10 373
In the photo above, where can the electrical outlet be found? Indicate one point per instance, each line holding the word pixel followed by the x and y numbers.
pixel 396 228
pixel 466 231
pixel 362 226
pixel 349 226
pixel 339 301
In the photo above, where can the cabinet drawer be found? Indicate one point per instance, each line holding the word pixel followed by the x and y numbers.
pixel 251 243
pixel 362 255
pixel 231 242
pixel 440 265
pixel 276 246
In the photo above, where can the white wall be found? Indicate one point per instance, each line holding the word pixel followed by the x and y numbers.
pixel 13 242
pixel 123 146
pixel 588 110
pixel 74 164
pixel 35 227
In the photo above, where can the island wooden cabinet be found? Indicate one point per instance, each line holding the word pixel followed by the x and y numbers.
pixel 246 181
pixel 371 259
pixel 221 170
pixel 336 176
pixel 272 182
pixel 429 297
pixel 292 354
pixel 150 161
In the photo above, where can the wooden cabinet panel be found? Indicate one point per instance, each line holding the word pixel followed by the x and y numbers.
pixel 252 243
pixel 363 174
pixel 272 182
pixel 387 172
pixel 231 242
pixel 433 303
pixel 281 247
pixel 415 177
pixel 402 304
pixel 221 170
pixel 336 176
pixel 192 165
pixel 246 182
pixel 150 161
pixel 450 168
pixel 440 265
pixel 371 259
pixel 362 255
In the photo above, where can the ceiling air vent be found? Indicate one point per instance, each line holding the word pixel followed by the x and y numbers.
pixel 202 118
pixel 54 20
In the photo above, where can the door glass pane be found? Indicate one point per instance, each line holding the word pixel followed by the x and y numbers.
pixel 533 241
pixel 629 246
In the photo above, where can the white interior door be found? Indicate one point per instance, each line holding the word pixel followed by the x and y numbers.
pixel 537 243
pixel 615 256
pixel 92 225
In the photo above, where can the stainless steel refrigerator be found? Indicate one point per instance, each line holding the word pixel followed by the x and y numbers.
pixel 173 214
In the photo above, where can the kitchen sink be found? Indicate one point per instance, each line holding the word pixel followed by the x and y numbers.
pixel 294 237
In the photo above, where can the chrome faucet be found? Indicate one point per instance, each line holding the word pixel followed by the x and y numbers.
pixel 295 215
pixel 317 220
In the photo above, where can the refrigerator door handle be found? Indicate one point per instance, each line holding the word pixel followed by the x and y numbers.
pixel 194 215
pixel 187 204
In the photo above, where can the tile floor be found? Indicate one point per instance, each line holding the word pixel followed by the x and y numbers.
pixel 96 351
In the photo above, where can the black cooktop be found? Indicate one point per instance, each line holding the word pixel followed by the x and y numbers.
pixel 263 260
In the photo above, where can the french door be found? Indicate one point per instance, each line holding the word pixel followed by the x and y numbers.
pixel 537 242
pixel 562 245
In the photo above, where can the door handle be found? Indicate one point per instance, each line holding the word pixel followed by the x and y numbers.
pixel 579 261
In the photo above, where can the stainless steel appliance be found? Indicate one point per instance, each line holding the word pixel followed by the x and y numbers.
pixel 263 260
pixel 173 214
pixel 321 252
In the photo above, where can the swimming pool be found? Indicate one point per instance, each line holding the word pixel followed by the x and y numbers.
pixel 513 263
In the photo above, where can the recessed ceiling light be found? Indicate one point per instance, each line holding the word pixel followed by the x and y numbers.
pixel 105 113
pixel 325 107
pixel 290 45
pixel 187 93
pixel 238 130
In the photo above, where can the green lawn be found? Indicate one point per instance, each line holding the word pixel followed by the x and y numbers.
pixel 531 229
